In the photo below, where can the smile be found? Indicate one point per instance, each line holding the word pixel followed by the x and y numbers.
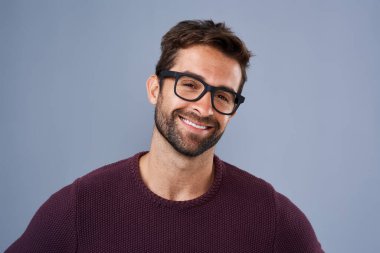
pixel 190 123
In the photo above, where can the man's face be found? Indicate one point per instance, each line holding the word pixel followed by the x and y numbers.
pixel 194 127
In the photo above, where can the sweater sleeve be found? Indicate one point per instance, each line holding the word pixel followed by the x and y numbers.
pixel 294 232
pixel 52 229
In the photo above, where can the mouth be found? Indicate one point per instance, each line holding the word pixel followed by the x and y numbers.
pixel 193 124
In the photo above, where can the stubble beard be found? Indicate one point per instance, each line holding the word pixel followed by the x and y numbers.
pixel 190 145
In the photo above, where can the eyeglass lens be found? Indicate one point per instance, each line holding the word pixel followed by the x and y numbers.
pixel 191 89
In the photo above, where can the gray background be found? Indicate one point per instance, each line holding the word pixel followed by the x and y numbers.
pixel 72 98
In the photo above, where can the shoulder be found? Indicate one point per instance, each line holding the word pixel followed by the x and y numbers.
pixel 247 184
pixel 294 230
pixel 56 221
pixel 52 228
pixel 294 233
pixel 103 174
pixel 109 175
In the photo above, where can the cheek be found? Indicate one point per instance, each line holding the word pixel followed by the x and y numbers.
pixel 223 121
pixel 173 102
pixel 170 102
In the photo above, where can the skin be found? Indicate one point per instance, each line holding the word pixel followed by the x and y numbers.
pixel 165 171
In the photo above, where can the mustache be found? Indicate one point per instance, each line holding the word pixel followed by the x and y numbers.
pixel 209 120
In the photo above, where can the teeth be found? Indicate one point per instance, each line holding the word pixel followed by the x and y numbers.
pixel 193 124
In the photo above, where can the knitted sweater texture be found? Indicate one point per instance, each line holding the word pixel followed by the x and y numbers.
pixel 111 210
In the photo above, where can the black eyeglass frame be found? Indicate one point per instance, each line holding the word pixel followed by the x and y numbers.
pixel 239 99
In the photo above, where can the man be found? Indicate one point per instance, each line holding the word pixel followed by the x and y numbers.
pixel 178 197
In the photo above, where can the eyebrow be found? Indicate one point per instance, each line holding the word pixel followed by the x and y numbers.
pixel 203 80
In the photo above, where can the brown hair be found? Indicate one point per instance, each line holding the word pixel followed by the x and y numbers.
pixel 203 32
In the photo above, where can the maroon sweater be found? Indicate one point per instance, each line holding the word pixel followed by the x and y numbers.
pixel 111 210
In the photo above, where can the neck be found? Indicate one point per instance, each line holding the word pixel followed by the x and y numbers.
pixel 174 176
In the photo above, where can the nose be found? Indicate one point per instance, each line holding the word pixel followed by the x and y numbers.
pixel 204 106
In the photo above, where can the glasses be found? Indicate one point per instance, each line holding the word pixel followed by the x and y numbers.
pixel 191 88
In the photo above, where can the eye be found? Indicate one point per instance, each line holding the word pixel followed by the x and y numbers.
pixel 223 98
pixel 189 85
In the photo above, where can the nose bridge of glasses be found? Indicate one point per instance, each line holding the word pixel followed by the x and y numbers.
pixel 204 103
pixel 209 88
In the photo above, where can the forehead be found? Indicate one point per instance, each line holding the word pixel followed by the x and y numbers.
pixel 213 66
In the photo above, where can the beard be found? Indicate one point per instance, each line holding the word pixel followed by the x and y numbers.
pixel 187 144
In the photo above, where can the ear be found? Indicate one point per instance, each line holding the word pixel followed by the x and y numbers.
pixel 153 88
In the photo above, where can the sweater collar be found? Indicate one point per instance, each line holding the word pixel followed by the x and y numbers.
pixel 219 168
